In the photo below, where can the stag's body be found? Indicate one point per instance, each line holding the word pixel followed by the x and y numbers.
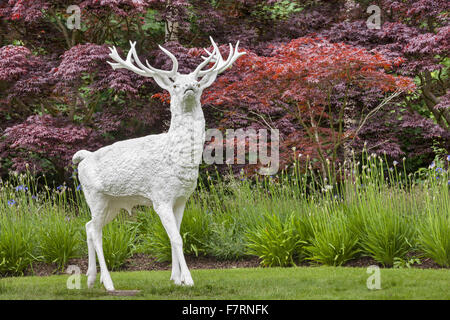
pixel 159 170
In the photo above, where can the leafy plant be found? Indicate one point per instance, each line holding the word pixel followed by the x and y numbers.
pixel 17 244
pixel 333 242
pixel 280 10
pixel 226 242
pixel 118 242
pixel 386 235
pixel 434 237
pixel 275 242
pixel 194 232
pixel 58 239
pixel 153 238
pixel 400 263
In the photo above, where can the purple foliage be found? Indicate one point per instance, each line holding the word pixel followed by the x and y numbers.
pixel 444 102
pixel 14 62
pixel 51 139
pixel 24 79
pixel 81 60
pixel 82 103
pixel 29 11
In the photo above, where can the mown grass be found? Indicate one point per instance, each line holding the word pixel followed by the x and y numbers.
pixel 257 283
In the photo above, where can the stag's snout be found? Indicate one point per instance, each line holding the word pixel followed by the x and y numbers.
pixel 190 89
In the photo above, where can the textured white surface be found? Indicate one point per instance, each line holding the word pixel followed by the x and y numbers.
pixel 159 170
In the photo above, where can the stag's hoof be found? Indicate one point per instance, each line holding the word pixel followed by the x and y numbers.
pixel 175 276
pixel 107 282
pixel 91 277
pixel 91 281
pixel 186 280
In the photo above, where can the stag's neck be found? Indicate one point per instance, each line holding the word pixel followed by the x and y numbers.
pixel 186 134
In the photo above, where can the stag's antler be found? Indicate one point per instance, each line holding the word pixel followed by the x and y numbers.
pixel 146 71
pixel 220 65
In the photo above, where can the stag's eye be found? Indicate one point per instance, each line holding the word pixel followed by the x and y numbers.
pixel 198 85
pixel 175 86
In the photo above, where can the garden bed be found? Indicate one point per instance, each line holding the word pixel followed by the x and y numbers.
pixel 145 262
pixel 398 223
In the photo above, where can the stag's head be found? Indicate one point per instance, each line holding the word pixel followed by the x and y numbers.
pixel 183 88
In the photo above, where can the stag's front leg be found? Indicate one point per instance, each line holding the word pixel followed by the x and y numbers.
pixel 166 214
pixel 178 210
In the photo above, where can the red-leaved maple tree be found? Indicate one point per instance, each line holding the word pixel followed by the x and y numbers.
pixel 303 89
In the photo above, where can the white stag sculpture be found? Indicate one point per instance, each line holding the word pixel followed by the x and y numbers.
pixel 159 170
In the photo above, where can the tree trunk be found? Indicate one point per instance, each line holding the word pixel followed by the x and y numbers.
pixel 171 26
pixel 349 6
pixel 348 117
pixel 171 31
pixel 2 35
pixel 348 123
pixel 442 116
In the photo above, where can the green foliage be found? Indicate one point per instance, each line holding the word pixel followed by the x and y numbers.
pixel 17 244
pixel 226 242
pixel 333 242
pixel 152 25
pixel 433 227
pixel 118 242
pixel 194 231
pixel 386 236
pixel 275 242
pixel 400 263
pixel 280 10
pixel 379 212
pixel 153 238
pixel 434 237
pixel 59 239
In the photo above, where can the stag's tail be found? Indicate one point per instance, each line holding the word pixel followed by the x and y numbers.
pixel 80 155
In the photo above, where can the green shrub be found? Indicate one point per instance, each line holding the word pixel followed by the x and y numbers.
pixel 118 242
pixel 333 242
pixel 433 228
pixel 59 239
pixel 386 235
pixel 400 263
pixel 154 239
pixel 195 231
pixel 304 228
pixel 17 244
pixel 275 242
pixel 226 242
pixel 434 238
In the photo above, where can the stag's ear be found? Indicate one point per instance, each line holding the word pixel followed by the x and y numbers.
pixel 163 82
pixel 207 80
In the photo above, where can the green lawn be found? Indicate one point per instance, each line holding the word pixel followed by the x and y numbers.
pixel 258 283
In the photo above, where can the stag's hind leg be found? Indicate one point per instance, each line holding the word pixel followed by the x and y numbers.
pixel 101 215
pixel 92 266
